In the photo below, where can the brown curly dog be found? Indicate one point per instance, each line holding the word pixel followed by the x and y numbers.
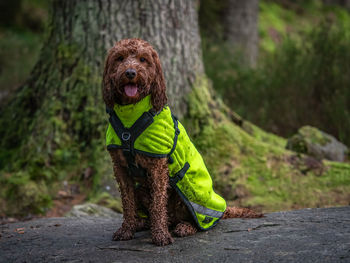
pixel 132 72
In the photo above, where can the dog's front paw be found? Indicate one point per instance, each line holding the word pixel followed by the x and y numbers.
pixel 123 234
pixel 162 238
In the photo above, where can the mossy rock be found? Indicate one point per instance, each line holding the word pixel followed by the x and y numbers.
pixel 316 143
pixel 89 209
pixel 107 200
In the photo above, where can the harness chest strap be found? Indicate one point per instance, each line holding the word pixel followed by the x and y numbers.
pixel 128 136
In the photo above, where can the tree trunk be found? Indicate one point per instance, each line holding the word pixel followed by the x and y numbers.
pixel 240 28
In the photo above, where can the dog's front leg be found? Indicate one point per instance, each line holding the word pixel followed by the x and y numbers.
pixel 126 187
pixel 159 180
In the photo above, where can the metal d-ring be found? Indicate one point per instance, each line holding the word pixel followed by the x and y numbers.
pixel 126 136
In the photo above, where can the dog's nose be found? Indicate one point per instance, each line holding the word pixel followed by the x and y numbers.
pixel 130 73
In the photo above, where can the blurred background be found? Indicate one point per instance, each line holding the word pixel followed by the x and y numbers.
pixel 279 64
pixel 296 58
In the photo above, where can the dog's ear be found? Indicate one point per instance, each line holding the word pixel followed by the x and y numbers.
pixel 158 88
pixel 107 82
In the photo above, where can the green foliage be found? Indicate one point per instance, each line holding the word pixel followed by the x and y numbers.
pixel 22 24
pixel 302 83
pixel 24 14
pixel 23 196
pixel 303 72
pixel 18 53
pixel 280 19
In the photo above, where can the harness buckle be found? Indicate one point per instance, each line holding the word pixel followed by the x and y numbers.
pixel 126 136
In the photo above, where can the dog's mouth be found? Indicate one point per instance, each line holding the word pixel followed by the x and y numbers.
pixel 131 90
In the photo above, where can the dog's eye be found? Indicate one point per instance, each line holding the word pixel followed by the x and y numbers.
pixel 142 59
pixel 120 58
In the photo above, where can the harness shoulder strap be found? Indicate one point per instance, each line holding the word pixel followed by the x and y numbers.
pixel 142 123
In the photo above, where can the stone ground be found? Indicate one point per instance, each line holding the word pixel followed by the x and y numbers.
pixel 309 235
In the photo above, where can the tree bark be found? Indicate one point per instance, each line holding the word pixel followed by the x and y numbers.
pixel 240 28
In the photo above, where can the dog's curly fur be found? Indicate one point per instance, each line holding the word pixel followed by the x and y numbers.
pixel 164 206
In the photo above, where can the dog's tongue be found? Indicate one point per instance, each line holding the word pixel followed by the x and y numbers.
pixel 130 90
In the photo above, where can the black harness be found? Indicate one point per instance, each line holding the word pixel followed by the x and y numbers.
pixel 128 137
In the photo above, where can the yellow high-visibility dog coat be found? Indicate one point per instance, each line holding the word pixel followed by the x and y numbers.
pixel 136 128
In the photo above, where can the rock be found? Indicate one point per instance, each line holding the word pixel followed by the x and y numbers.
pixel 88 210
pixel 316 143
pixel 107 200
pixel 309 235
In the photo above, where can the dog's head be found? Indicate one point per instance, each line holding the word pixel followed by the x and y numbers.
pixel 133 71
